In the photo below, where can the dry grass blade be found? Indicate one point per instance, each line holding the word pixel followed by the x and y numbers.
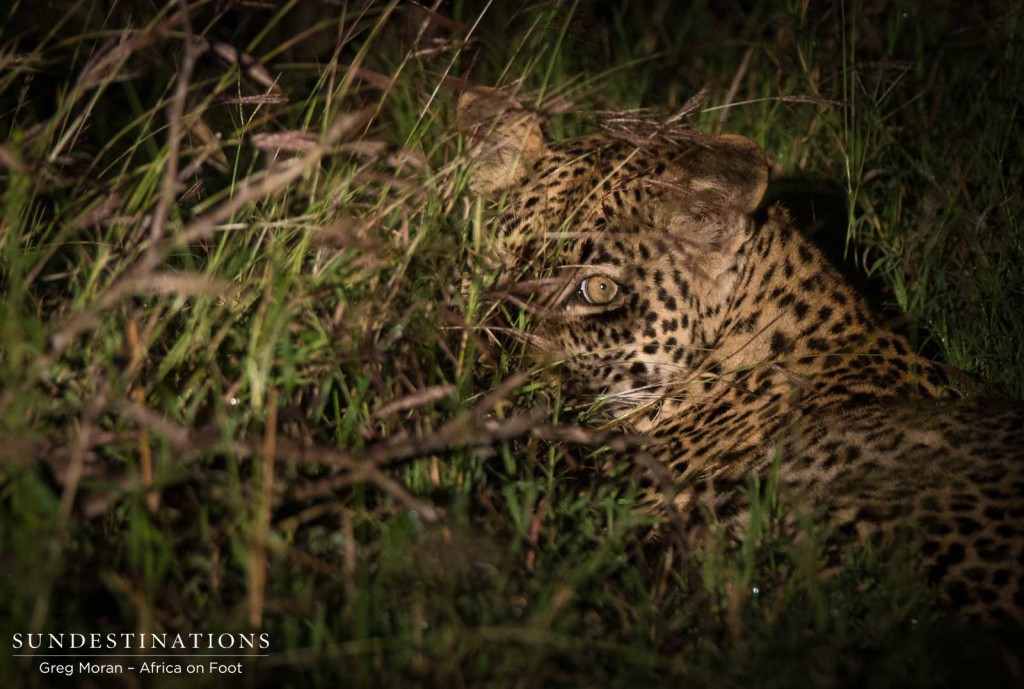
pixel 381 82
pixel 185 284
pixel 259 99
pixel 734 87
pixel 247 63
pixel 289 142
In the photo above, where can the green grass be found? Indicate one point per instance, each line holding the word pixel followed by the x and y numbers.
pixel 310 301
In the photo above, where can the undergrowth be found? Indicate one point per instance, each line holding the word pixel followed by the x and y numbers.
pixel 245 381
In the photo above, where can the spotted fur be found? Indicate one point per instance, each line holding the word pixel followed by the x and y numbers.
pixel 727 340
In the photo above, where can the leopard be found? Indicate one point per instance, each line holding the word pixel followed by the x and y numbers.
pixel 661 284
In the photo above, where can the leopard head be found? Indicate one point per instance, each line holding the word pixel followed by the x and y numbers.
pixel 624 244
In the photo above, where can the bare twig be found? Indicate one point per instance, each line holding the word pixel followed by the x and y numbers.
pixel 417 399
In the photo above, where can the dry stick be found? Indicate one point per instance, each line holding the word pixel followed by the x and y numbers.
pixel 460 432
pixel 261 531
pixel 472 428
pixel 417 399
pixel 467 429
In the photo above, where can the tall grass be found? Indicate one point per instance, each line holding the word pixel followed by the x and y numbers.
pixel 245 381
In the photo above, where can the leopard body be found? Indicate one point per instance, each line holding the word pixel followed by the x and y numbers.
pixel 723 336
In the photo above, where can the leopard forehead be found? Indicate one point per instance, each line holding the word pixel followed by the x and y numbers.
pixel 608 183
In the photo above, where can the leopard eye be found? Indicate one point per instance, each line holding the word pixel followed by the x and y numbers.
pixel 598 290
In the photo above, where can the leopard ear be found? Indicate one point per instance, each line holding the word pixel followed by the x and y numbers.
pixel 504 137
pixel 727 173
pixel 746 170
